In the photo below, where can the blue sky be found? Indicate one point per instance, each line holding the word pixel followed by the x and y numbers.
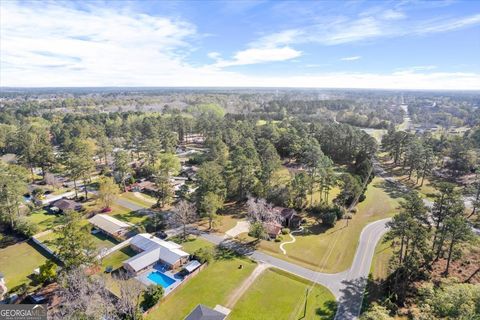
pixel 357 44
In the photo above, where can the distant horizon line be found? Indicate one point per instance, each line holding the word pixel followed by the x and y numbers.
pixel 235 87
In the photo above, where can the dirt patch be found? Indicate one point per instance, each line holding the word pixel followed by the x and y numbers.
pixel 462 269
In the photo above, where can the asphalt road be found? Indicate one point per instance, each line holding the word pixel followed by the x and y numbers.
pixel 347 286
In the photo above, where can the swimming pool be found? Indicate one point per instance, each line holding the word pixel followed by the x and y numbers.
pixel 161 279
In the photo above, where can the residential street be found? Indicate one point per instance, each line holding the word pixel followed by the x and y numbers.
pixel 347 286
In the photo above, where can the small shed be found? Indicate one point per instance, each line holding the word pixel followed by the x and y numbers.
pixel 192 266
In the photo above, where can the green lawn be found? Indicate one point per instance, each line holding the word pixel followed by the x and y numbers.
pixel 192 246
pixel 210 287
pixel 18 261
pixel 116 258
pixel 44 220
pixel 278 295
pixel 332 250
pixel 381 258
pixel 378 273
pixel 129 196
pixel 100 240
pixel 127 215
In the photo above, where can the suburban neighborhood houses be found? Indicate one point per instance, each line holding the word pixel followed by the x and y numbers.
pixel 190 238
pixel 239 160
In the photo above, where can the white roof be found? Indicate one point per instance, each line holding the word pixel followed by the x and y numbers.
pixel 154 249
pixel 192 265
pixel 146 241
pixel 108 223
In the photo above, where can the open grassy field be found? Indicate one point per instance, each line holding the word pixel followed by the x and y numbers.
pixel 210 287
pixel 278 295
pixel 332 250
pixel 18 261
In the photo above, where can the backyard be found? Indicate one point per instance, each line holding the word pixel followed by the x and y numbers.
pixel 279 295
pixel 44 220
pixel 18 261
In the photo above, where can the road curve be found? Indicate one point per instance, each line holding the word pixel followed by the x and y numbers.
pixel 347 286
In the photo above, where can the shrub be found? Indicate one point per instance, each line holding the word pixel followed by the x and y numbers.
pixel 204 255
pixel 285 231
pixel 48 272
pixel 152 295
pixel 25 227
pixel 257 230
pixel 278 239
pixel 329 218
pixel 339 212
pixel 362 197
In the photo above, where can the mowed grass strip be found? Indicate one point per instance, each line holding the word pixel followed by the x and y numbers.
pixel 279 295
pixel 18 261
pixel 129 196
pixel 210 287
pixel 332 250
pixel 381 259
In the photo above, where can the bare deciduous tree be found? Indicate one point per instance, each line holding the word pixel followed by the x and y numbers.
pixel 130 295
pixel 259 210
pixel 84 296
pixel 184 213
pixel 51 180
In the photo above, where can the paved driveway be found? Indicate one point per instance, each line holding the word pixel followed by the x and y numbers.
pixel 240 227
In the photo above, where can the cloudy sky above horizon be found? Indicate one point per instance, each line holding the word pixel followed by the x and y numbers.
pixel 358 44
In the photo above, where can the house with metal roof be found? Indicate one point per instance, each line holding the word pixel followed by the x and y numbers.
pixel 154 250
pixel 109 225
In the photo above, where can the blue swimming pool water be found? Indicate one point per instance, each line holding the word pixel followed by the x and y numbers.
pixel 161 279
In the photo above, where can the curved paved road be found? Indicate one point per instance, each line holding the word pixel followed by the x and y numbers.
pixel 347 286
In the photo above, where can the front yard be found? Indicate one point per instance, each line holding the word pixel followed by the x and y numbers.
pixel 332 250
pixel 278 295
pixel 210 287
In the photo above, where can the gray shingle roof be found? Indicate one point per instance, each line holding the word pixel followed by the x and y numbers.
pixel 202 312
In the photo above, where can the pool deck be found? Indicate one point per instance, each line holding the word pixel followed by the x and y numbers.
pixel 143 278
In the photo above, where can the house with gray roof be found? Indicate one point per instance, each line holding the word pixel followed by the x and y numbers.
pixel 154 250
pixel 110 226
pixel 202 312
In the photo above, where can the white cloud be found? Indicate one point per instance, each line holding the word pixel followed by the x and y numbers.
pixel 392 15
pixel 55 45
pixel 213 55
pixel 352 58
pixel 442 25
pixel 260 55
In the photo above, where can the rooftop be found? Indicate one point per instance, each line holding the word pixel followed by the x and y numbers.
pixel 108 223
pixel 154 249
pixel 202 312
